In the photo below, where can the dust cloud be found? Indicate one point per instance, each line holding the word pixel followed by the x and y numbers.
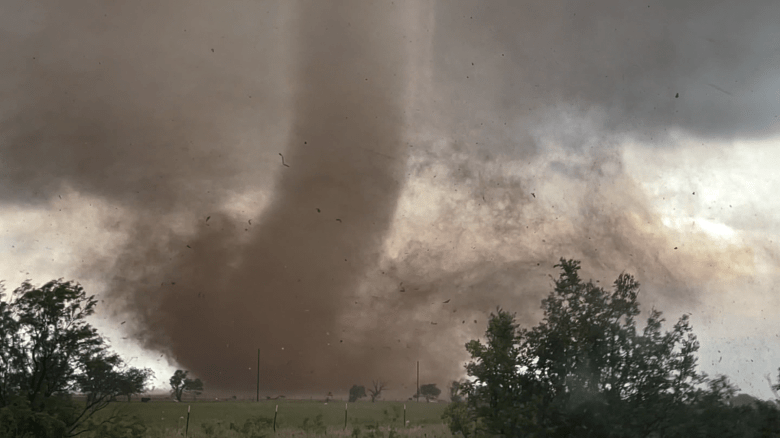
pixel 353 186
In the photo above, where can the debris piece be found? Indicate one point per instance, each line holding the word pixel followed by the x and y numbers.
pixel 534 195
pixel 338 220
pixel 207 219
pixel 446 302
pixel 189 247
pixel 677 95
pixel 283 163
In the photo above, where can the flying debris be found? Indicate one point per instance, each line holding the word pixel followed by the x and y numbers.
pixel 123 322
pixel 433 323
pixel 338 220
pixel 207 219
pixel 283 163
pixel 445 302
pixel 719 89
pixel 189 247
pixel 533 194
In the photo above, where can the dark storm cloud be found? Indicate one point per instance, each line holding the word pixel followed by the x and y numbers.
pixel 129 104
pixel 629 60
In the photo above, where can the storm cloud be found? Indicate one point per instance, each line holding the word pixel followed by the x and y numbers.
pixel 315 179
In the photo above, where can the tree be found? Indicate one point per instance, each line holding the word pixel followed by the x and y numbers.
pixel 456 389
pixel 181 384
pixel 429 391
pixel 49 352
pixel 775 387
pixel 585 370
pixel 135 382
pixel 356 392
pixel 377 386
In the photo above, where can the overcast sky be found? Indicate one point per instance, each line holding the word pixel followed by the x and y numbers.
pixel 316 179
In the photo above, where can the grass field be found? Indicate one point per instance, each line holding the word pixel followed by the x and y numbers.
pixel 295 418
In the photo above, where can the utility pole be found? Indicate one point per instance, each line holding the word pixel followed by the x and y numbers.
pixel 258 374
pixel 418 381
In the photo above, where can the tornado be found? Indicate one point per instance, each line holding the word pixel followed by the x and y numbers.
pixel 284 290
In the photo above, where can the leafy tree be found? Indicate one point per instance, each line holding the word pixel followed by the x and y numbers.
pixel 456 389
pixel 429 391
pixel 377 386
pixel 500 396
pixel 585 370
pixel 135 382
pixel 181 384
pixel 48 352
pixel 356 392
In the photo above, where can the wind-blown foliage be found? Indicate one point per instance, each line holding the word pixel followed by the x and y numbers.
pixel 430 391
pixel 49 352
pixel 356 392
pixel 181 384
pixel 586 369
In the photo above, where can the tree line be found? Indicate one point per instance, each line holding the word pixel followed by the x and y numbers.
pixel 588 370
pixel 429 391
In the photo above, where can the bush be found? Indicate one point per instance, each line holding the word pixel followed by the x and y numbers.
pixel 257 427
pixel 458 419
pixel 317 426
pixel 120 426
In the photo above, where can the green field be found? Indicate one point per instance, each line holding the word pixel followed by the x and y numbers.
pixel 230 418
